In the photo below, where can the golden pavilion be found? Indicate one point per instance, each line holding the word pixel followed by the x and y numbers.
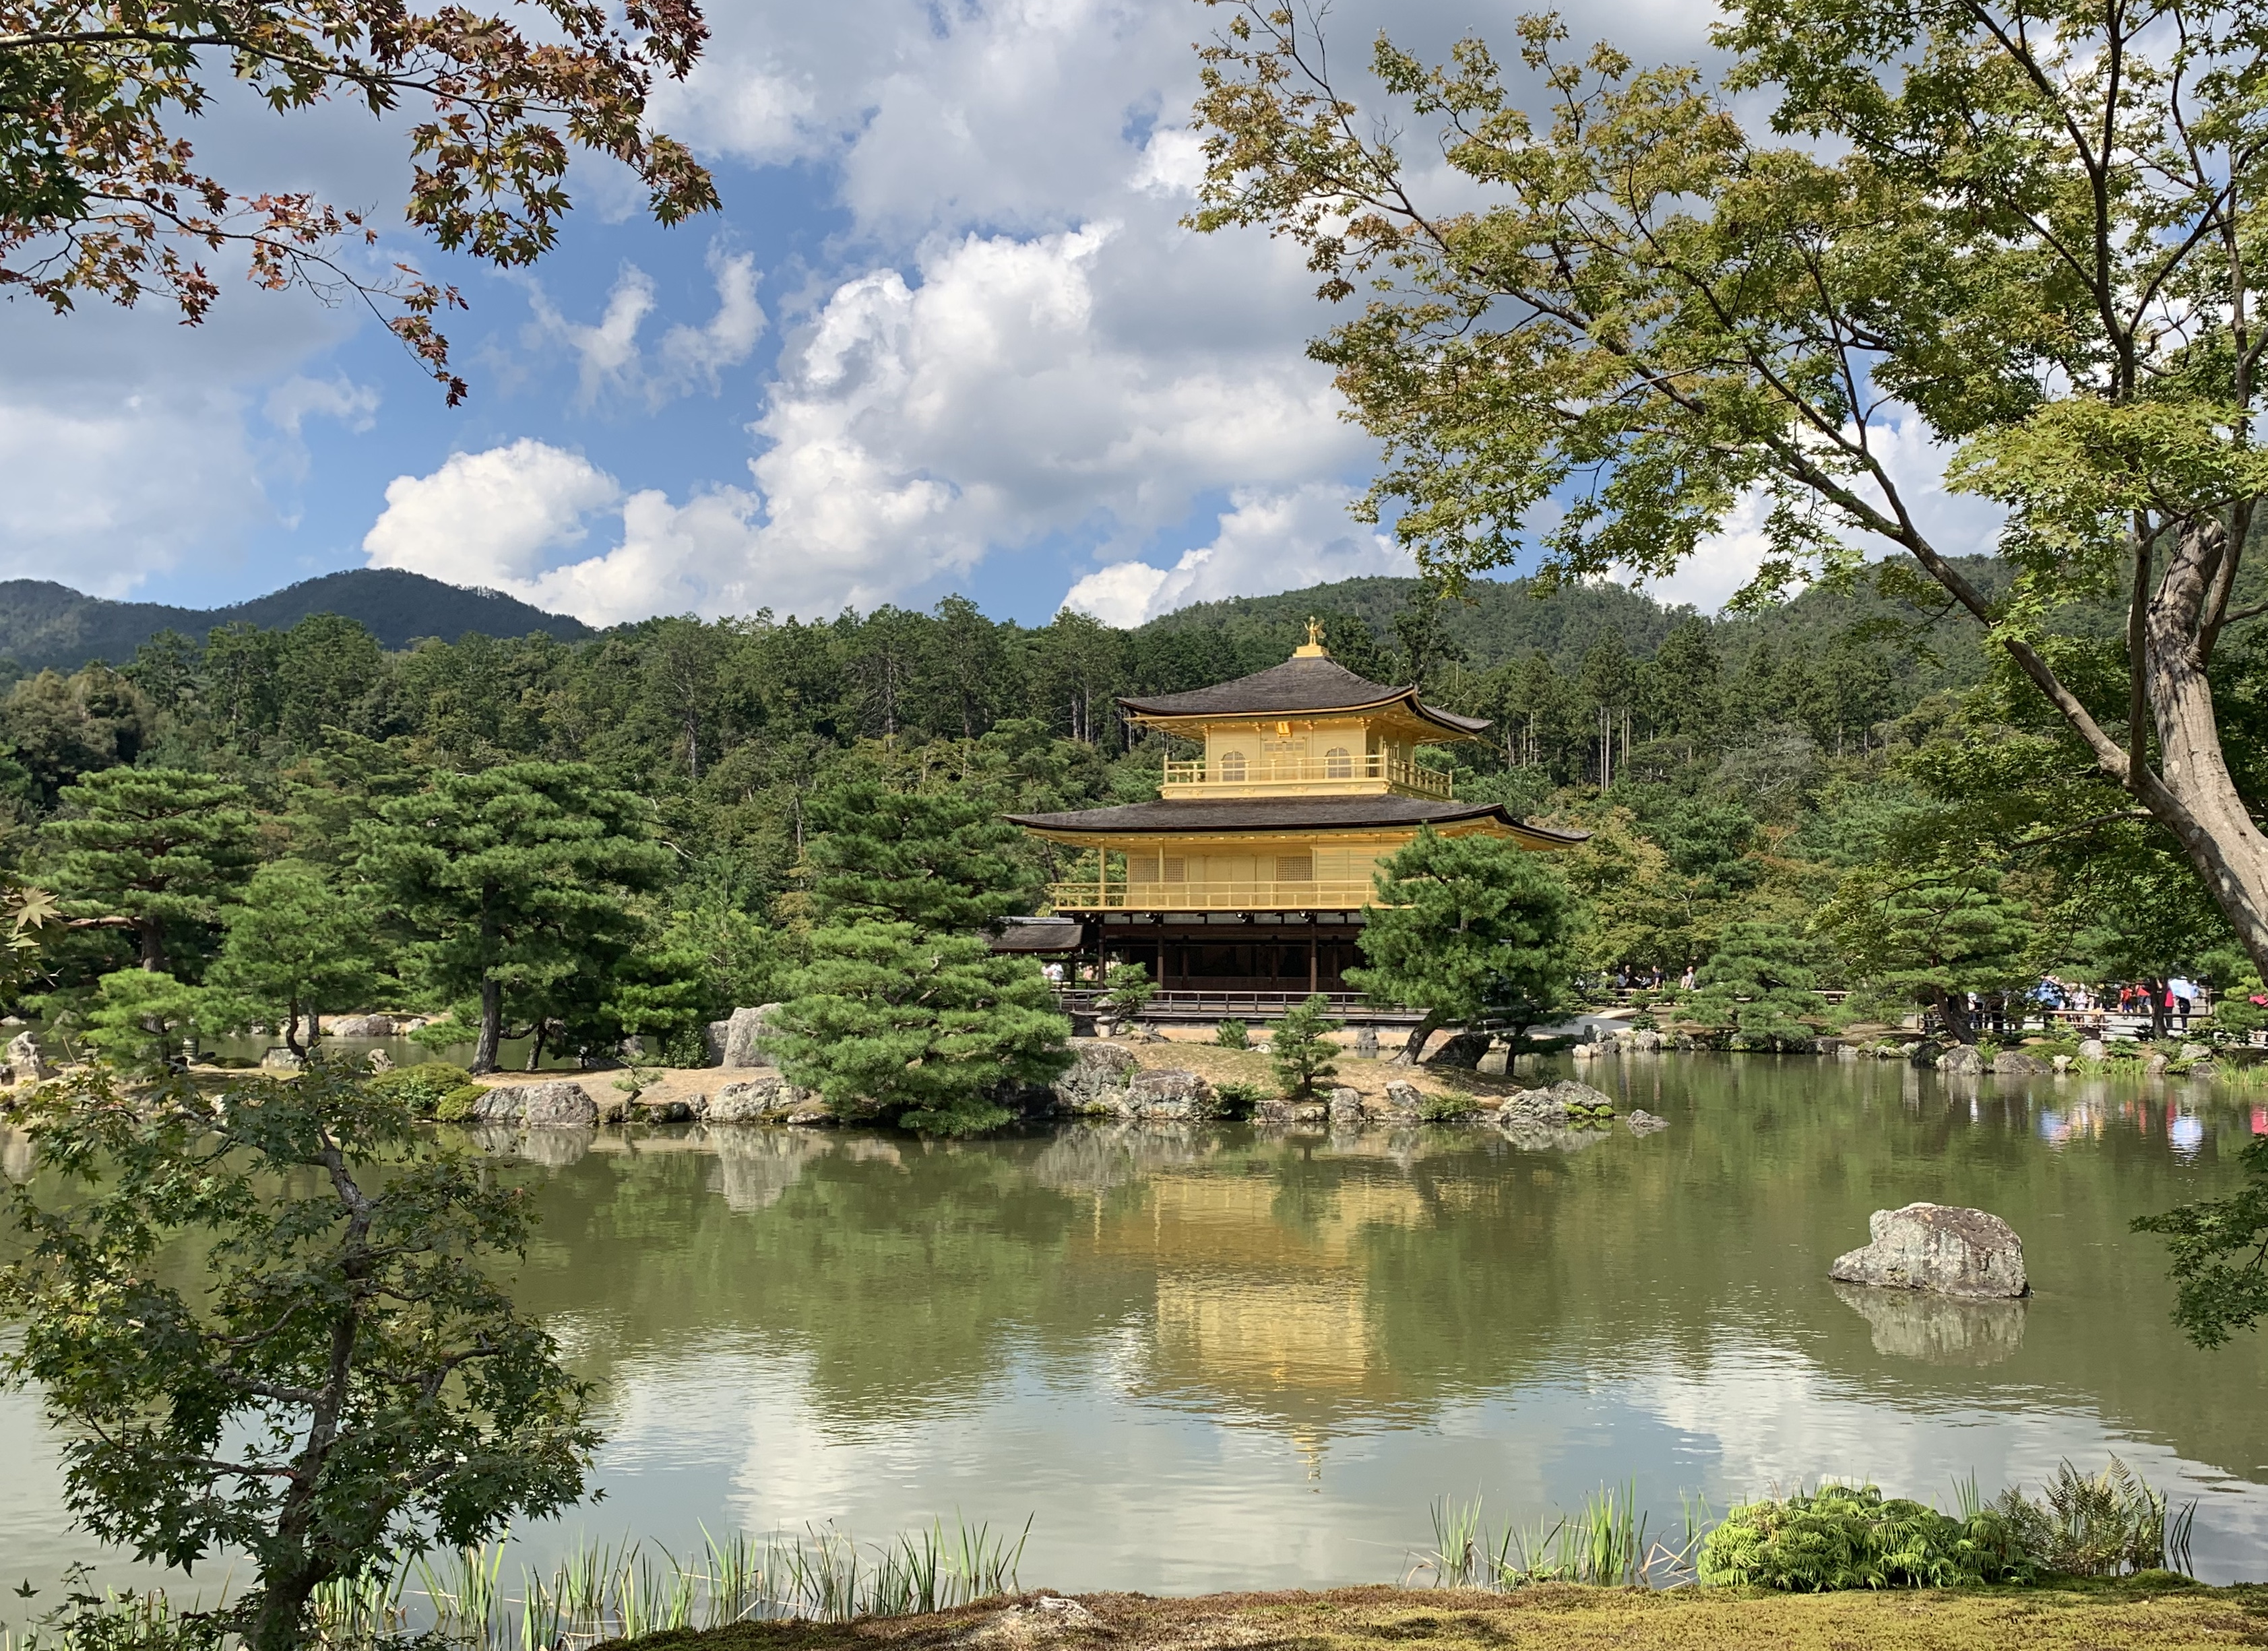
pixel 1252 871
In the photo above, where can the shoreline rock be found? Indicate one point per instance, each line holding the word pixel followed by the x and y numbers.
pixel 559 1103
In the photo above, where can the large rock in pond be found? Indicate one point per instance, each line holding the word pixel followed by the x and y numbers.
pixel 1962 1058
pixel 560 1104
pixel 1168 1098
pixel 1556 1105
pixel 1940 1248
pixel 1098 1078
pixel 2014 1063
pixel 733 1042
pixel 2092 1049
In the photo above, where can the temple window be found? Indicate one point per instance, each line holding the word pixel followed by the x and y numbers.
pixel 1232 766
pixel 1295 868
pixel 1337 764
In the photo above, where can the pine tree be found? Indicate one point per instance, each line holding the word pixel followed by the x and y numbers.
pixel 1302 1049
pixel 1473 930
pixel 513 882
pixel 159 850
pixel 1758 988
pixel 145 1020
pixel 944 862
pixel 903 1013
pixel 297 946
pixel 1934 935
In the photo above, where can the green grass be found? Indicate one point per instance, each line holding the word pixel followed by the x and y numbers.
pixel 2150 1614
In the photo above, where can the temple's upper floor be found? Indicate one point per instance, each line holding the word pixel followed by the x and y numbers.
pixel 1308 727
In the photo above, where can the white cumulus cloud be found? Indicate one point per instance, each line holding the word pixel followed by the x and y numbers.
pixel 1268 542
pixel 490 518
pixel 1013 390
pixel 611 361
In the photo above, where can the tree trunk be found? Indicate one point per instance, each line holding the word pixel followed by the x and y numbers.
pixel 292 1031
pixel 280 1622
pixel 152 931
pixel 1416 1047
pixel 484 1053
pixel 2192 793
pixel 535 1043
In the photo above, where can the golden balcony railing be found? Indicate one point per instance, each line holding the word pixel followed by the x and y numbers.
pixel 1316 894
pixel 1250 775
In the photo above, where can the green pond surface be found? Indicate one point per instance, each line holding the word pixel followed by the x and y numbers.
pixel 1209 1358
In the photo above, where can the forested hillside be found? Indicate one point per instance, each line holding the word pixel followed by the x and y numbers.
pixel 44 625
pixel 1838 783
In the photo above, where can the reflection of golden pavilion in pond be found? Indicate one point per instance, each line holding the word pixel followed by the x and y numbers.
pixel 1251 1303
pixel 1253 869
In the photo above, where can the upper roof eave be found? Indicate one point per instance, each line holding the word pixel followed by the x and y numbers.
pixel 1297 687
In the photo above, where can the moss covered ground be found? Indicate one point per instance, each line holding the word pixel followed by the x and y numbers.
pixel 2146 1614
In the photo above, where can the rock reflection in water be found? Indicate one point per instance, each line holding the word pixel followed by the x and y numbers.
pixel 18 1155
pixel 1937 1329
pixel 1095 1157
pixel 756 1167
pixel 1544 1137
pixel 553 1149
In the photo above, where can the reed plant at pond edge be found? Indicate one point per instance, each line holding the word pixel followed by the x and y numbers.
pixel 597 1592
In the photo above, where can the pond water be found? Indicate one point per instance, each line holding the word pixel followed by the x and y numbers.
pixel 1219 1358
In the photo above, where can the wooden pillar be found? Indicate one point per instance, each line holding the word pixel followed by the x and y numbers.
pixel 1311 957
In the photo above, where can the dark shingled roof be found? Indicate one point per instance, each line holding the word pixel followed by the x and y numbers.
pixel 1289 813
pixel 1297 686
pixel 1038 934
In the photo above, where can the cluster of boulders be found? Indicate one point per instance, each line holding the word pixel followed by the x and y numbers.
pixel 1960 1059
pixel 1570 1105
pixel 1107 1081
pixel 566 1103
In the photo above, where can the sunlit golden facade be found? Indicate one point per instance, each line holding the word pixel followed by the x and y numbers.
pixel 1257 862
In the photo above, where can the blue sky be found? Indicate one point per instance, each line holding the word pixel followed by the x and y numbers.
pixel 946 334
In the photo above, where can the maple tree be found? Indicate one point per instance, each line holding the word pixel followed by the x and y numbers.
pixel 2022 228
pixel 98 196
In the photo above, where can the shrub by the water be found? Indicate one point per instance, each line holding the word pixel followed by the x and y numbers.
pixel 1236 1101
pixel 1850 1537
pixel 433 1089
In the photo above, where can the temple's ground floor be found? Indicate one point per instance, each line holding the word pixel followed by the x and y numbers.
pixel 1294 952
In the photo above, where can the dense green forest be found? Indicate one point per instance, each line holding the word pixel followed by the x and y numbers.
pixel 1837 791
pixel 46 625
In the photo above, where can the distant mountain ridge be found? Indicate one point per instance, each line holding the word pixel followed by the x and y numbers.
pixel 45 625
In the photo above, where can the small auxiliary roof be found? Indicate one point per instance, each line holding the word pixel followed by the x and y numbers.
pixel 1297 687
